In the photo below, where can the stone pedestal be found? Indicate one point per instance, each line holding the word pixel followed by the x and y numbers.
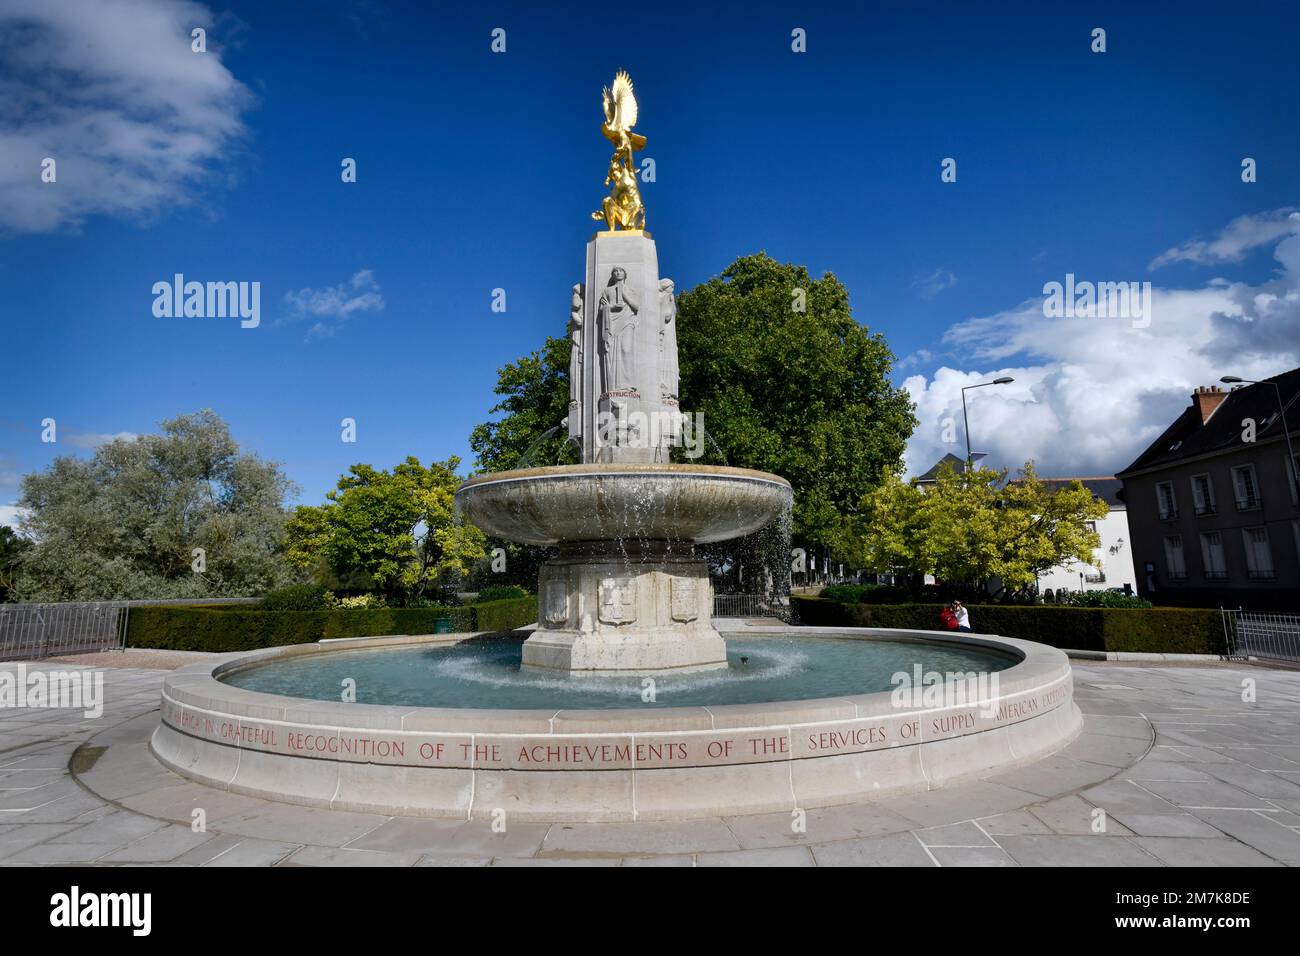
pixel 640 607
pixel 624 407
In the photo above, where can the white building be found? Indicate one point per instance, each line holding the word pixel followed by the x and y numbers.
pixel 1112 563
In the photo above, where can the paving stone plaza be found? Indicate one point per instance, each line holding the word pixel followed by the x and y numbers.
pixel 1176 766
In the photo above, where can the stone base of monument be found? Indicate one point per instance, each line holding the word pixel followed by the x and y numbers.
pixel 625 608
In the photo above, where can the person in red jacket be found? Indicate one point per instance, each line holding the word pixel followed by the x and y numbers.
pixel 947 618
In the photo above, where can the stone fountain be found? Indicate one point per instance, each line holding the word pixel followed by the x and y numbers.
pixel 813 726
pixel 627 593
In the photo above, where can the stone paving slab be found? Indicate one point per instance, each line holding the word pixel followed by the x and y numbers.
pixel 972 856
pixel 1187 773
pixel 1075 816
pixel 777 856
pixel 899 849
pixel 1089 850
pixel 819 825
pixel 1203 852
pixel 337 856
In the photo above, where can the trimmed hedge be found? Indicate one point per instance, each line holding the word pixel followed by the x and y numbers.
pixel 244 628
pixel 1161 630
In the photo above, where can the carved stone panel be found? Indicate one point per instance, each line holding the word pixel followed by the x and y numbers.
pixel 617 601
pixel 555 601
pixel 685 599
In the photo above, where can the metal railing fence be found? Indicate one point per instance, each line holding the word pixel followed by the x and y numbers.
pixel 1261 634
pixel 744 605
pixel 52 630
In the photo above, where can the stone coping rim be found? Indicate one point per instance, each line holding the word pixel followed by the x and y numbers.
pixel 1038 665
pixel 595 470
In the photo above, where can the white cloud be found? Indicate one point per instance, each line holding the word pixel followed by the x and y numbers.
pixel 1237 238
pixel 929 286
pixel 1091 394
pixel 110 90
pixel 95 439
pixel 335 304
pixel 11 514
pixel 919 357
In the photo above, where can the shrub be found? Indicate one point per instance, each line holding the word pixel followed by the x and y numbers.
pixel 1154 629
pixel 504 615
pixel 1105 599
pixel 201 628
pixel 299 597
pixel 848 593
pixel 901 593
pixel 500 592
pixel 362 601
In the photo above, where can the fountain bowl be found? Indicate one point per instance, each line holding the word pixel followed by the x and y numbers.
pixel 623 502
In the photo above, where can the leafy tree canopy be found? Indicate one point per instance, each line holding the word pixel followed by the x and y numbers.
pixel 12 547
pixel 392 531
pixel 125 524
pixel 970 528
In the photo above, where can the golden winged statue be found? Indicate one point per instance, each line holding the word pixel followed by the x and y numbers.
pixel 622 208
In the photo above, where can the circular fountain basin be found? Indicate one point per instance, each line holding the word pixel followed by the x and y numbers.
pixel 487 674
pixel 605 502
pixel 628 760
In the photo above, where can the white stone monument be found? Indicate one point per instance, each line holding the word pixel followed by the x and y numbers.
pixel 627 593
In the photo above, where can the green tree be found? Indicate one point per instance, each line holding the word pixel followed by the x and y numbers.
pixel 12 548
pixel 394 532
pixel 971 528
pixel 534 398
pixel 127 522
pixel 802 394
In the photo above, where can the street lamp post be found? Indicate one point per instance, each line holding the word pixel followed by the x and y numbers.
pixel 1286 432
pixel 966 421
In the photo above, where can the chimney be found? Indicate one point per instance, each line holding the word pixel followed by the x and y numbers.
pixel 1206 399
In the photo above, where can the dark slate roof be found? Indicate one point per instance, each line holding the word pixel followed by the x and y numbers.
pixel 958 465
pixel 1106 488
pixel 1188 438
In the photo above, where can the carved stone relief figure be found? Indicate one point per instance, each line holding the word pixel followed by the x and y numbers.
pixel 617 318
pixel 668 367
pixel 575 356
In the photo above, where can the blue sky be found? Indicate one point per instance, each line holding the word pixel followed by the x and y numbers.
pixel 478 171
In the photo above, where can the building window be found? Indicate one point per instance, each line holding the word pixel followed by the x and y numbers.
pixel 1091 526
pixel 1247 490
pixel 1259 558
pixel 1216 568
pixel 1166 500
pixel 1294 479
pixel 1202 494
pixel 1175 561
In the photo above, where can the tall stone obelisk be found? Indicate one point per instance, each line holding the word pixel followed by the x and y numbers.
pixel 623 406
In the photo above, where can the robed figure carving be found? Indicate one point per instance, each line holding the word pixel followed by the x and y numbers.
pixel 668 368
pixel 617 317
pixel 575 353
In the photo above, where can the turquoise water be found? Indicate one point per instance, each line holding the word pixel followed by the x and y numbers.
pixel 486 674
